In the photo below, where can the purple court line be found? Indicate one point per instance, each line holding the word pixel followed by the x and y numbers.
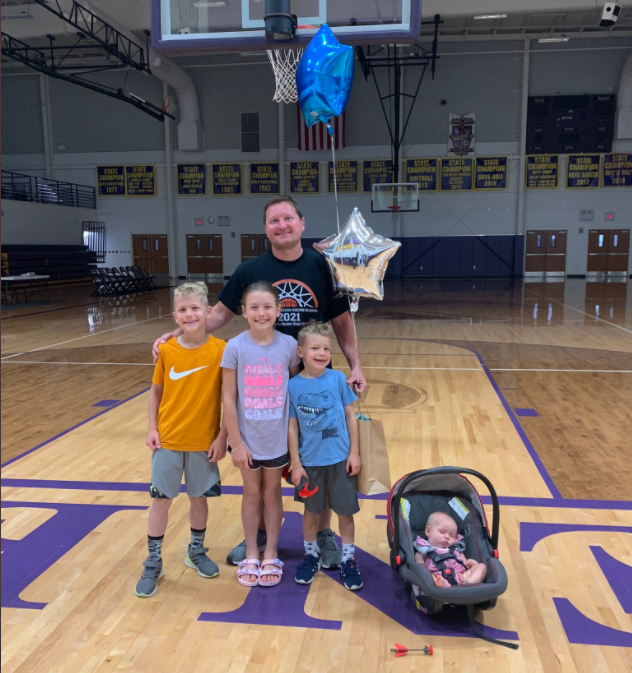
pixel 521 433
pixel 74 427
pixel 140 487
pixel 546 477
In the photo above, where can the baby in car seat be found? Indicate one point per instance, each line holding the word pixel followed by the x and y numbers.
pixel 441 552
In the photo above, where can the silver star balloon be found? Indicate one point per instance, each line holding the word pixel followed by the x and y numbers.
pixel 358 258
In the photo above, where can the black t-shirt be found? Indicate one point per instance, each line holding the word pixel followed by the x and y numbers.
pixel 305 287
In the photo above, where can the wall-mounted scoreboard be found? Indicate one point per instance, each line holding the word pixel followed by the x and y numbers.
pixel 570 124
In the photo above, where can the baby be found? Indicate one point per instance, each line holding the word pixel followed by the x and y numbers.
pixel 441 535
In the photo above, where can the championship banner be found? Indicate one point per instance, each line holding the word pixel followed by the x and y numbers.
pixel 191 179
pixel 376 172
pixel 542 171
pixel 140 180
pixel 423 172
pixel 490 173
pixel 304 177
pixel 617 170
pixel 346 177
pixel 111 180
pixel 461 134
pixel 583 171
pixel 456 175
pixel 264 178
pixel 226 179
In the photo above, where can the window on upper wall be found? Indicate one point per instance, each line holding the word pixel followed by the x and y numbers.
pixel 250 138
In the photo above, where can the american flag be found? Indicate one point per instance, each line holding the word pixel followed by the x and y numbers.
pixel 316 137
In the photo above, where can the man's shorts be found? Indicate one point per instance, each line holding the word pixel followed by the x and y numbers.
pixel 334 480
pixel 200 476
pixel 269 464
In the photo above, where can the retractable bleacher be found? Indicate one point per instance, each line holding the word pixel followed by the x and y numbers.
pixel 65 263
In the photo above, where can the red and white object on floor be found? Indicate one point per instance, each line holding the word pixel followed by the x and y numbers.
pixel 401 650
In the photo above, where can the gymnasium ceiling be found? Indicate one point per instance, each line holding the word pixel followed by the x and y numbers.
pixel 536 19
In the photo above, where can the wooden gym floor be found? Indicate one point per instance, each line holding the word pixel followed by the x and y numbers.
pixel 530 384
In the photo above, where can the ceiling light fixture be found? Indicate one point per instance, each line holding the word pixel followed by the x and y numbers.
pixel 491 16
pixel 200 4
pixel 561 38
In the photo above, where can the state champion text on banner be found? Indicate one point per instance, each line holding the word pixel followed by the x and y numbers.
pixel 191 179
pixel 346 177
pixel 304 177
pixel 617 170
pixel 583 171
pixel 456 174
pixel 226 179
pixel 542 171
pixel 376 172
pixel 490 173
pixel 264 178
pixel 111 180
pixel 140 180
pixel 423 172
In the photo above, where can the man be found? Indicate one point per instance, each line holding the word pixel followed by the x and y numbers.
pixel 306 291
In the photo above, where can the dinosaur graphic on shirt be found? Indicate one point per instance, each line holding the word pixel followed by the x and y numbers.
pixel 326 411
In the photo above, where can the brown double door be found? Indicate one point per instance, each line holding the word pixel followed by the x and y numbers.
pixel 546 251
pixel 151 251
pixel 253 245
pixel 205 254
pixel 608 250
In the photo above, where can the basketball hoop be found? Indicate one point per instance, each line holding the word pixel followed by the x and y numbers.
pixel 168 105
pixel 394 209
pixel 284 63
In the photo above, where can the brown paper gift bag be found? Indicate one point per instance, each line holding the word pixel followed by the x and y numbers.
pixel 375 475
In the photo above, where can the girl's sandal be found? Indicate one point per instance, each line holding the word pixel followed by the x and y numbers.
pixel 267 573
pixel 244 570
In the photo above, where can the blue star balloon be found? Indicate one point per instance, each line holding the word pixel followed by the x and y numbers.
pixel 324 77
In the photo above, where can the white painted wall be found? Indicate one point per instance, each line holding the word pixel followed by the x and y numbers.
pixel 489 83
pixel 26 223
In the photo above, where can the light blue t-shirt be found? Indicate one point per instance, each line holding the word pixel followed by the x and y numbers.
pixel 319 405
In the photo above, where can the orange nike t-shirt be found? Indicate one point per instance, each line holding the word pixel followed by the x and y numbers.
pixel 190 409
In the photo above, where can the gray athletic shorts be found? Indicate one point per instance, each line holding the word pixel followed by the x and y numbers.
pixel 332 479
pixel 200 476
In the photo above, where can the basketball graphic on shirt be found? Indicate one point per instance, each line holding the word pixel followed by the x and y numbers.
pixel 294 294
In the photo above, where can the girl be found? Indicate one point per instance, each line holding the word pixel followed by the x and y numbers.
pixel 256 367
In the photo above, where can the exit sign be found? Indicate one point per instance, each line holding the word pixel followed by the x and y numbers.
pixel 609 217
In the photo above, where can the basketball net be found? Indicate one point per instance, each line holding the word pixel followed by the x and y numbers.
pixel 168 105
pixel 284 63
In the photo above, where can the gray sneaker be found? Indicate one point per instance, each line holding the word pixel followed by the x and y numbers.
pixel 201 562
pixel 330 552
pixel 148 582
pixel 238 554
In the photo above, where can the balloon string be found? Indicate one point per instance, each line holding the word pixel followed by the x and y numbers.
pixel 351 309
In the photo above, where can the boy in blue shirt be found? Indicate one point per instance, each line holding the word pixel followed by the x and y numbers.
pixel 323 444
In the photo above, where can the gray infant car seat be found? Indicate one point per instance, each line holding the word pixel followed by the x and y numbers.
pixel 444 489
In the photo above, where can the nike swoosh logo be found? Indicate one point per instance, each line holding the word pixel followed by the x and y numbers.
pixel 175 376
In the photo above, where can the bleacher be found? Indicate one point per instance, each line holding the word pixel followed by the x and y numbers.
pixel 59 262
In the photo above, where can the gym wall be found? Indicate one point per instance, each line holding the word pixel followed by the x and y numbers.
pixel 89 129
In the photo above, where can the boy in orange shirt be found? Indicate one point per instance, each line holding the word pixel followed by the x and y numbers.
pixel 184 421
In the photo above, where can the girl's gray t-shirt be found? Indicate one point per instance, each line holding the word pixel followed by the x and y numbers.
pixel 262 397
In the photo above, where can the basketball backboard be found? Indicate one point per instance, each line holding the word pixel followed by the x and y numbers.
pixel 237 25
pixel 399 197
